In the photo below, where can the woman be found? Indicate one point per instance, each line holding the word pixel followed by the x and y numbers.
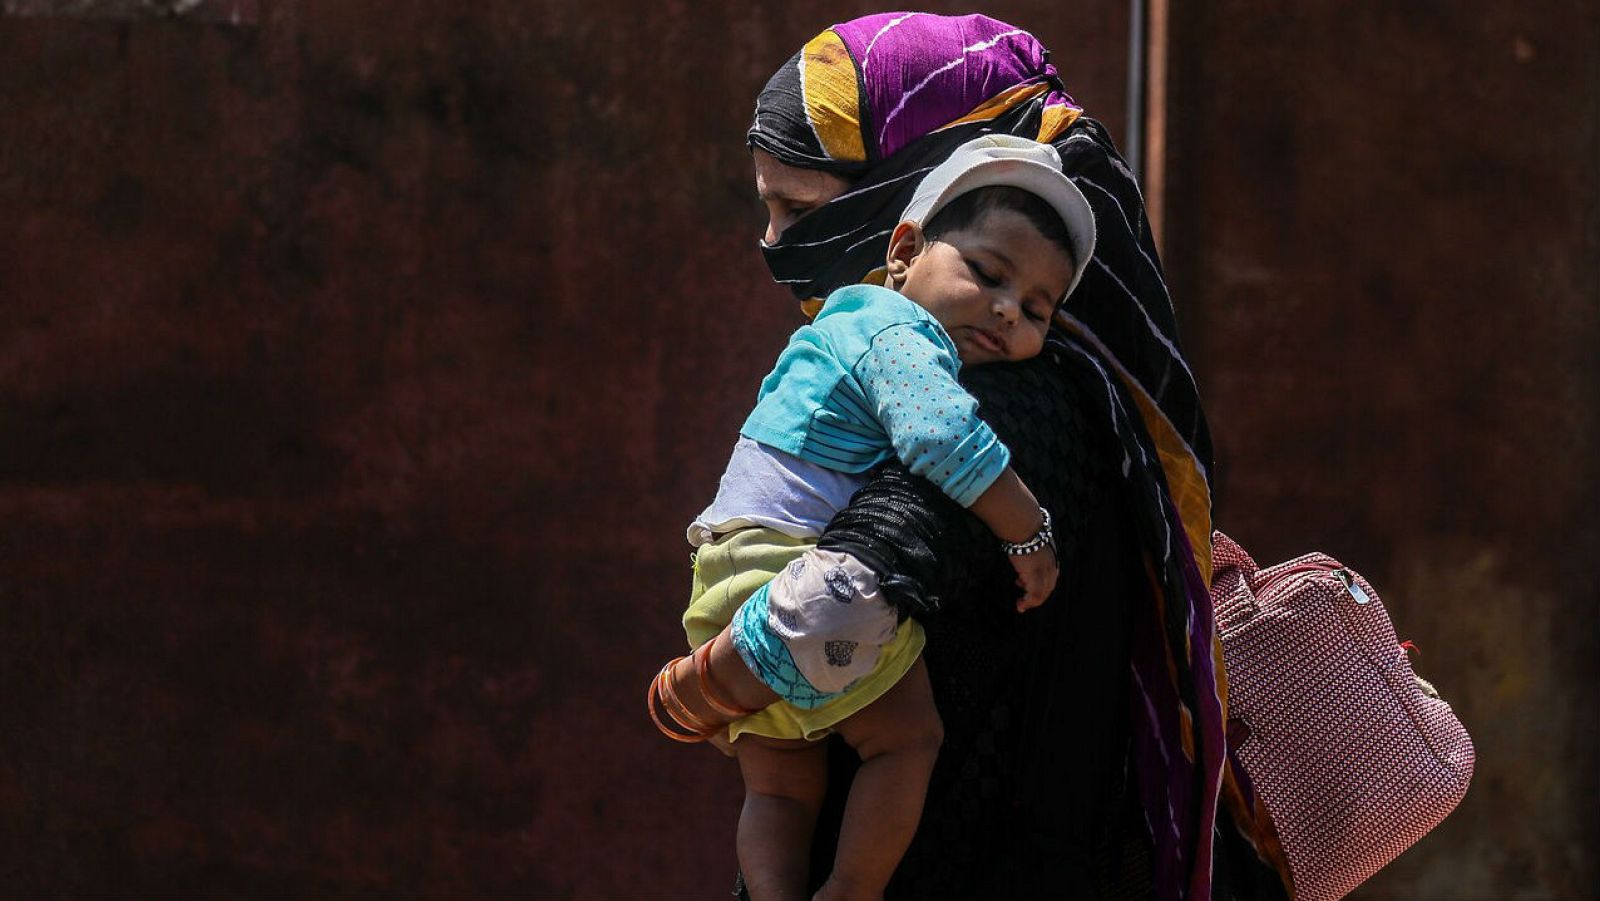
pixel 1084 752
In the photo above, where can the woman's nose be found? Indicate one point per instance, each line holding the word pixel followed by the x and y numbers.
pixel 779 218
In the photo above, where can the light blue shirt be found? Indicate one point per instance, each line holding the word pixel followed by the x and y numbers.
pixel 874 375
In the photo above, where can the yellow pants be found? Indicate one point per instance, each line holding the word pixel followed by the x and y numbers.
pixel 729 570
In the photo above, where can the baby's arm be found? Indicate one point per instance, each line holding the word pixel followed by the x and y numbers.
pixel 909 380
pixel 1011 511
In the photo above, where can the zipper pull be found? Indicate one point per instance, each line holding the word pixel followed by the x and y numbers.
pixel 1350 585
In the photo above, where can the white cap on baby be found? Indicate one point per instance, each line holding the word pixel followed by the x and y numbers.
pixel 1002 159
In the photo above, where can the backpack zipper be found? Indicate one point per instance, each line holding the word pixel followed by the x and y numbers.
pixel 1345 577
pixel 1356 591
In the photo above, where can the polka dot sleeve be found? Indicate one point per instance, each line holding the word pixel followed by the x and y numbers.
pixel 909 382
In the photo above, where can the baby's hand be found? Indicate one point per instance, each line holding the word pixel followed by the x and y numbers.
pixel 1036 576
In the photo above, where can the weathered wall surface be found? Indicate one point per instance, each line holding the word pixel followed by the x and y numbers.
pixel 359 371
pixel 1384 231
pixel 359 368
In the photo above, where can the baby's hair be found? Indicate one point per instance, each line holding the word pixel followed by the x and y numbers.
pixel 968 208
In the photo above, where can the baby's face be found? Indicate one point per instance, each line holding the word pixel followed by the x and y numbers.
pixel 993 286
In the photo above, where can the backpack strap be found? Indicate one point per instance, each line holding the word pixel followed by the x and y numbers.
pixel 1225 552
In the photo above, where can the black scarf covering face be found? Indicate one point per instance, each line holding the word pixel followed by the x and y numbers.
pixel 847 238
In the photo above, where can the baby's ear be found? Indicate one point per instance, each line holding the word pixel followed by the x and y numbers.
pixel 905 245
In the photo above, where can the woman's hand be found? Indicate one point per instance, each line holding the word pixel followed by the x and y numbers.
pixel 1036 576
pixel 721 743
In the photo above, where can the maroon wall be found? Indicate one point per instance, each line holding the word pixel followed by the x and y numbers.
pixel 1384 231
pixel 359 371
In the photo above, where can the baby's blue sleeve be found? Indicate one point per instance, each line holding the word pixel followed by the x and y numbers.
pixel 909 383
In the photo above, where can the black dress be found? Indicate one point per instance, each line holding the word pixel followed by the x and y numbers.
pixel 1031 795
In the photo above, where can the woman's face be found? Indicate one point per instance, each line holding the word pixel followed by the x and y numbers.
pixel 790 192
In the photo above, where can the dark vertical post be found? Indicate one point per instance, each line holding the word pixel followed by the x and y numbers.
pixel 1133 142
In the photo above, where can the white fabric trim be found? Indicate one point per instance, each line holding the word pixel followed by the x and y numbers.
pixel 766 487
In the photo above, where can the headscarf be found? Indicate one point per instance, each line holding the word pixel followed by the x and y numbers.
pixel 883 99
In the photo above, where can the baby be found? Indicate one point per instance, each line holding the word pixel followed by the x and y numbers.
pixel 793 642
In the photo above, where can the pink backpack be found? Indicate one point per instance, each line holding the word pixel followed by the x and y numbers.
pixel 1355 756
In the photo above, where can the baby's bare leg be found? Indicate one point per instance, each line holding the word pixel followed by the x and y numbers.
pixel 783 783
pixel 898 738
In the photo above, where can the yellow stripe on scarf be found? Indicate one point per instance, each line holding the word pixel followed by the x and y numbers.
pixel 1190 493
pixel 828 79
pixel 1055 120
pixel 995 106
pixel 1185 715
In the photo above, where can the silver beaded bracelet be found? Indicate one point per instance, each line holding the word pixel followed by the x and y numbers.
pixel 1044 538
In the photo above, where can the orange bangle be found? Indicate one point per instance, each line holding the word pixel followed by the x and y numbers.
pixel 650 701
pixel 702 666
pixel 680 711
pixel 658 692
